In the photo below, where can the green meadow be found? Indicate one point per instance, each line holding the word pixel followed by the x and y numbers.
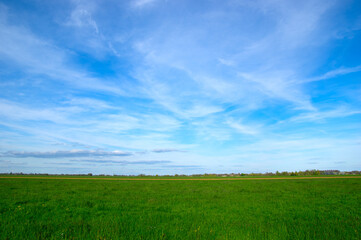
pixel 48 208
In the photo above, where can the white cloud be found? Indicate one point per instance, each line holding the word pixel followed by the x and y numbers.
pixel 332 74
pixel 226 62
pixel 314 116
pixel 142 3
pixel 242 128
pixel 82 18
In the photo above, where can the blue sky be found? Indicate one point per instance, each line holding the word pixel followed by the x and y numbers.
pixel 165 87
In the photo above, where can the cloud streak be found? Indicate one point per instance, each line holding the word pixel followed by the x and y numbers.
pixel 102 161
pixel 166 150
pixel 65 154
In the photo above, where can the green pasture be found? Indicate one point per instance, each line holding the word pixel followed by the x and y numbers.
pixel 245 209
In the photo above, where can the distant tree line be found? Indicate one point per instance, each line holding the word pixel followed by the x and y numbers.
pixel 313 172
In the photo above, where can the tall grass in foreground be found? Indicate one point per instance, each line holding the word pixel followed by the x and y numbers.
pixel 254 209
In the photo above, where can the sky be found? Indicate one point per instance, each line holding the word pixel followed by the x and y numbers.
pixel 179 87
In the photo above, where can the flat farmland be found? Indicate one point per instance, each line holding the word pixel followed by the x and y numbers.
pixel 96 208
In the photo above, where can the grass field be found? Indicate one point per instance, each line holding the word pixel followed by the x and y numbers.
pixel 43 208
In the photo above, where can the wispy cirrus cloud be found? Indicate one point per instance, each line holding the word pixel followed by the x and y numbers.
pixel 332 74
pixel 242 128
pixel 90 36
pixel 255 78
pixel 40 57
pixel 315 116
